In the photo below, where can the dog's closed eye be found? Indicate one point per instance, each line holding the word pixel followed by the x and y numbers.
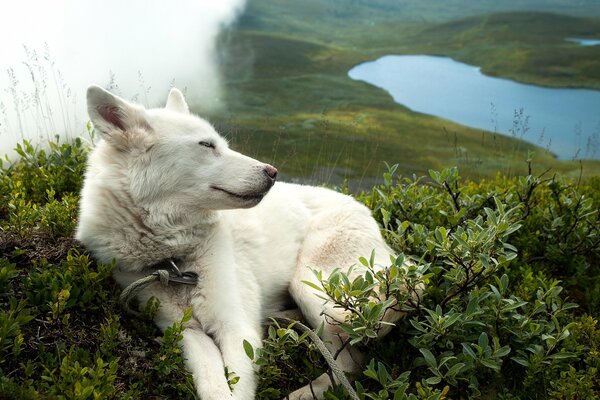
pixel 210 145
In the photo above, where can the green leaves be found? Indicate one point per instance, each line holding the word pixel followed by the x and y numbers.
pixel 368 293
pixel 248 349
pixel 170 356
pixel 486 313
pixel 429 358
pixel 391 386
pixel 11 323
pixel 76 378
pixel 479 313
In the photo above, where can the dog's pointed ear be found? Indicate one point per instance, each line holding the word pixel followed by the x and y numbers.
pixel 111 114
pixel 176 102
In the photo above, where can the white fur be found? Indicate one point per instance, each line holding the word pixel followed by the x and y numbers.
pixel 154 190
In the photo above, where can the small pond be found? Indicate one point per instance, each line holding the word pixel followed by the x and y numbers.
pixel 584 42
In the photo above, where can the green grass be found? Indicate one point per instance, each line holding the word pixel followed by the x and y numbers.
pixel 528 47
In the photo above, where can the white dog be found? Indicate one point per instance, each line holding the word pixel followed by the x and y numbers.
pixel 162 184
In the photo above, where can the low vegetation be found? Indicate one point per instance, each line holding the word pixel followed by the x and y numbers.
pixel 509 310
pixel 509 261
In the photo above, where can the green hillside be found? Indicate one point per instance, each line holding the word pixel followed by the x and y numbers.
pixel 527 47
pixel 289 99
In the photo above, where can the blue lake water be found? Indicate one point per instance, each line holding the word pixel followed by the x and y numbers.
pixel 565 121
pixel 584 42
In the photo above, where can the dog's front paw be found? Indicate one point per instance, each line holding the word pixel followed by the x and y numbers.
pixel 314 390
pixel 304 393
pixel 212 391
pixel 221 395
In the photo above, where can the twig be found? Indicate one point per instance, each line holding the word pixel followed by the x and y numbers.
pixel 453 195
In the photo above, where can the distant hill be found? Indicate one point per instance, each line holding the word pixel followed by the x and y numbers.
pixel 290 101
pixel 521 40
pixel 528 47
pixel 286 16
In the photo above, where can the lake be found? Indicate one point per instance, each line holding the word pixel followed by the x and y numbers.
pixel 565 121
pixel 584 42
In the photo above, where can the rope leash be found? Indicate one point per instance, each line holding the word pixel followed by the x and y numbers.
pixel 165 276
pixel 171 274
pixel 129 293
pixel 335 368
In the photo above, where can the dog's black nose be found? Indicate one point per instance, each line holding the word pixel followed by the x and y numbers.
pixel 271 171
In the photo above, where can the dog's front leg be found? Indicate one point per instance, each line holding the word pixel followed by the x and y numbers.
pixel 229 321
pixel 203 358
pixel 236 360
pixel 204 361
pixel 226 302
pixel 232 323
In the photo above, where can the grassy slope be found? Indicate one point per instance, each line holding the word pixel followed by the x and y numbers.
pixel 290 100
pixel 527 47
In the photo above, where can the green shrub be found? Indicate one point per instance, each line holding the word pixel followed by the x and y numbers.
pixel 75 282
pixel 287 359
pixel 11 322
pixel 73 379
pixel 40 192
pixel 495 319
pixel 502 263
pixel 8 271
pixel 59 168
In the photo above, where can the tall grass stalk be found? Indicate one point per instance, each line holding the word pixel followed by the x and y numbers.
pixel 43 103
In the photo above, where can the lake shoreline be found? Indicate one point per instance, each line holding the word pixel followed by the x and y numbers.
pixel 561 120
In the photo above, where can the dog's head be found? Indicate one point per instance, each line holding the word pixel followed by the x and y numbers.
pixel 169 156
